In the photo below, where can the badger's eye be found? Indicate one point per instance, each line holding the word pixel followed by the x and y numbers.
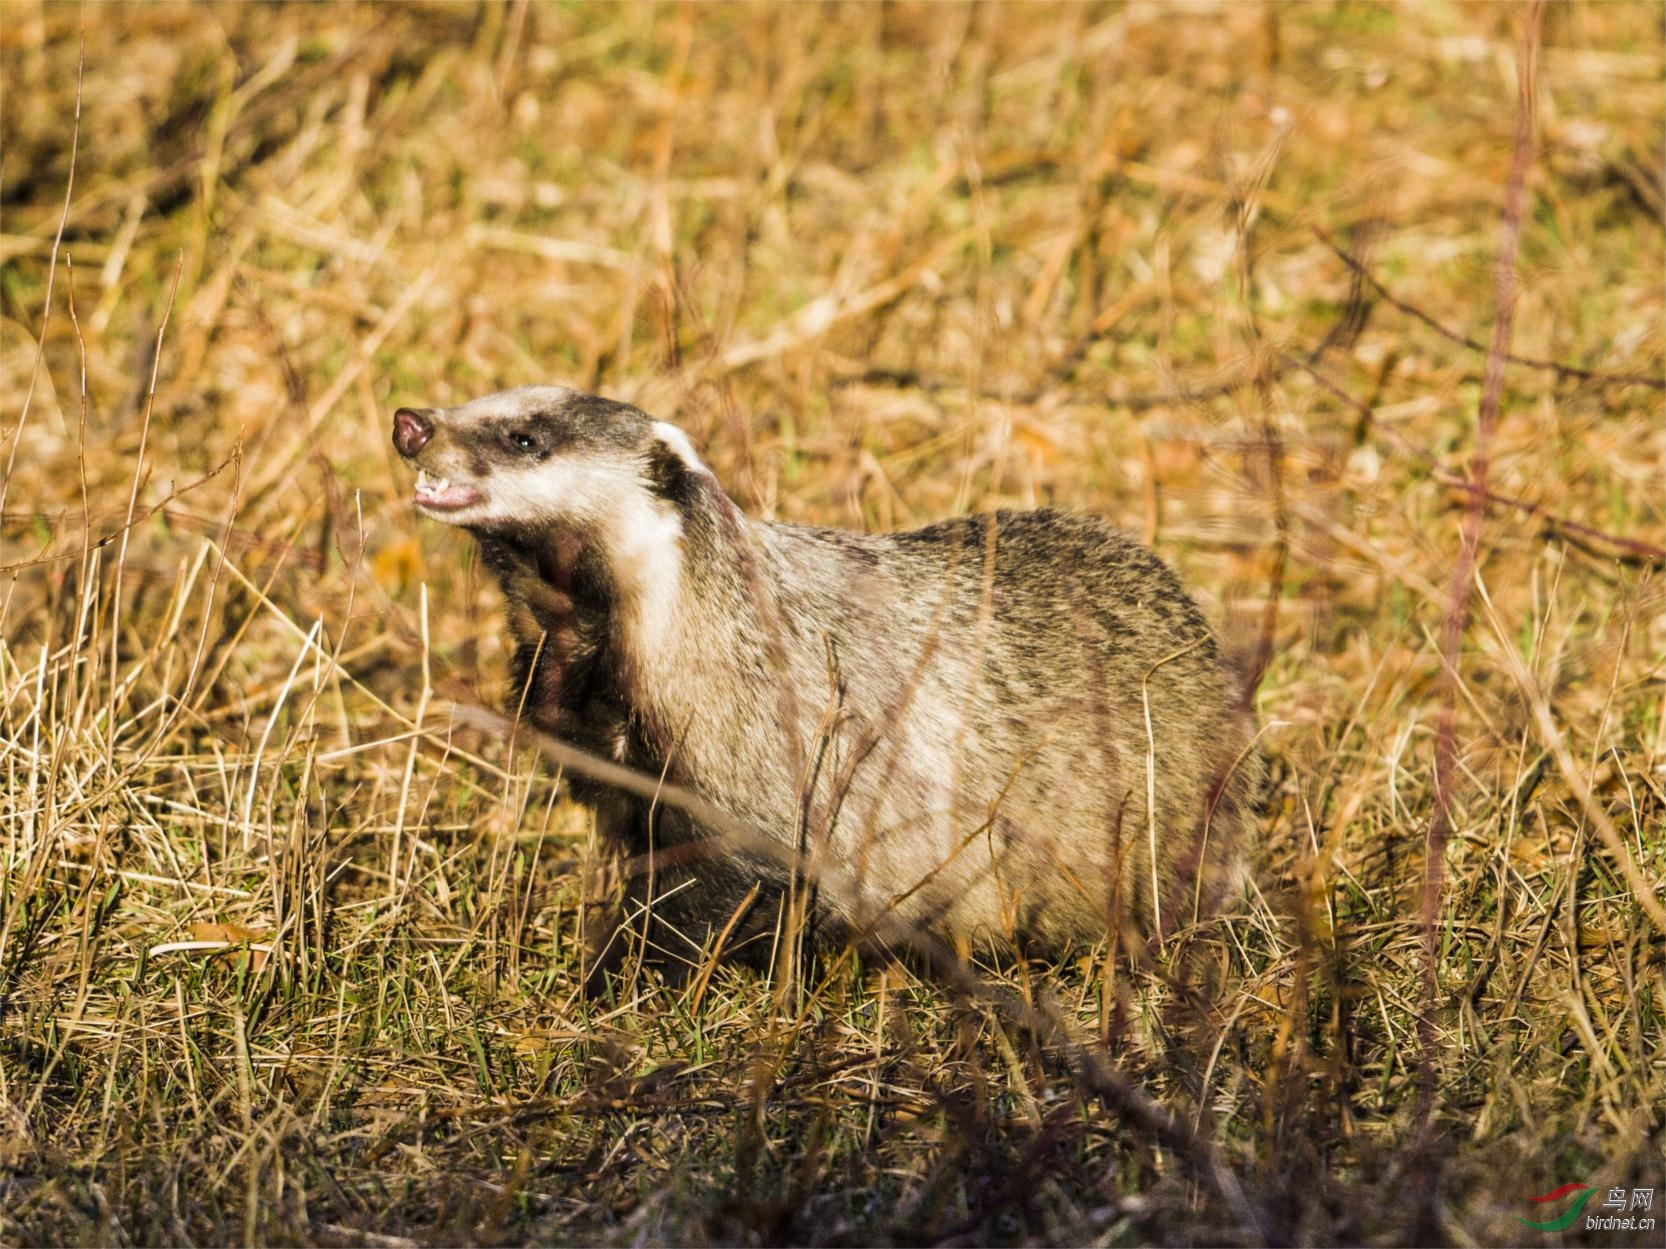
pixel 522 440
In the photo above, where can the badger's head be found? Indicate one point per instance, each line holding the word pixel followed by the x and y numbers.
pixel 545 457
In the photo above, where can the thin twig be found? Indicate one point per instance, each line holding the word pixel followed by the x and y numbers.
pixel 128 525
pixel 1417 314
pixel 1647 551
pixel 1635 547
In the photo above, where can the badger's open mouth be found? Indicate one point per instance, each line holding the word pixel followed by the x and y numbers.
pixel 438 494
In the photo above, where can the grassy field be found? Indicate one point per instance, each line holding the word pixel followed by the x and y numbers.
pixel 288 954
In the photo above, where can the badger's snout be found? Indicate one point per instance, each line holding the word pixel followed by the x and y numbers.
pixel 411 431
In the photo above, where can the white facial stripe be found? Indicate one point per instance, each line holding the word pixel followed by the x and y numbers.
pixel 646 541
pixel 518 404
pixel 678 441
pixel 572 489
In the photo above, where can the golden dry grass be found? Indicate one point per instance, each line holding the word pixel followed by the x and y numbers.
pixel 288 956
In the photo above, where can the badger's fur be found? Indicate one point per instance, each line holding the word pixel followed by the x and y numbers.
pixel 1002 725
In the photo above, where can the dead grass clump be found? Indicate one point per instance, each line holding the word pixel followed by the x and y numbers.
pixel 287 953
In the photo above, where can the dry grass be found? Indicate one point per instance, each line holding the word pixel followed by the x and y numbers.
pixel 885 265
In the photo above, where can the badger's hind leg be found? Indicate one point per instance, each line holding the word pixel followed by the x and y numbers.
pixel 1236 796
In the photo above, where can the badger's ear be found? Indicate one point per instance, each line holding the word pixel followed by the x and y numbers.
pixel 674 470
pixel 675 441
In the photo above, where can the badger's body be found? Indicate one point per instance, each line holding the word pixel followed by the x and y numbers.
pixel 1011 725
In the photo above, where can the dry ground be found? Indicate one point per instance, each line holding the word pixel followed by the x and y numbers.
pixel 885 264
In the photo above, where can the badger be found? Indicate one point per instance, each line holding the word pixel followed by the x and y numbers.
pixel 1007 727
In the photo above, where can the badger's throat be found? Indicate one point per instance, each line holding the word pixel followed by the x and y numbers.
pixel 603 618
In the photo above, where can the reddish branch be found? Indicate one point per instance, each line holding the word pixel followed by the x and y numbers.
pixel 1463 575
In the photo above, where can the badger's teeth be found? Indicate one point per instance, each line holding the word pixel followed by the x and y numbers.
pixel 437 493
pixel 431 487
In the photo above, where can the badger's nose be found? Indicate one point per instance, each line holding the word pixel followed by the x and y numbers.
pixel 411 431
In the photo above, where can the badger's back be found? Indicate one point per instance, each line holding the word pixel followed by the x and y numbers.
pixel 996 697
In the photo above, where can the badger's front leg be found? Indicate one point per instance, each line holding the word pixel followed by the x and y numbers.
pixel 677 890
